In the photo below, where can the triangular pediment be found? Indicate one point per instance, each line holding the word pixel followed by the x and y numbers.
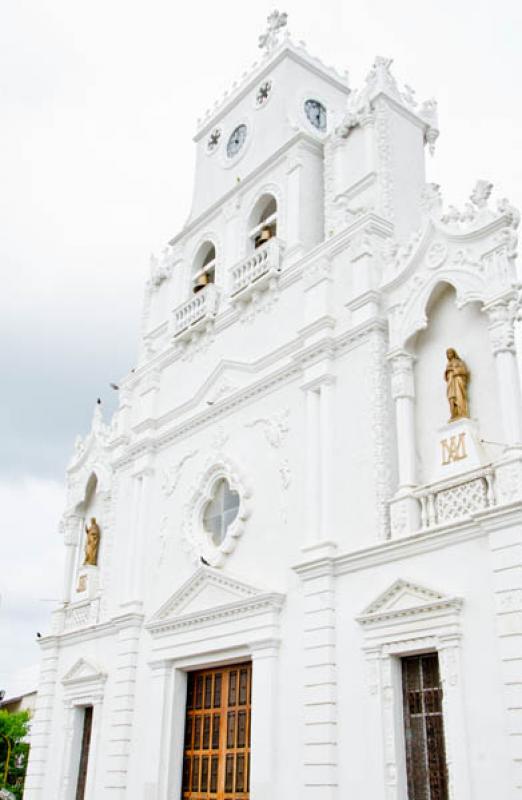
pixel 84 671
pixel 227 378
pixel 206 589
pixel 404 597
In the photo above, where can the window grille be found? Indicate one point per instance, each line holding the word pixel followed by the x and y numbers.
pixel 424 728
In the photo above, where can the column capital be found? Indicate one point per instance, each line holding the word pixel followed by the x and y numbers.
pixel 264 648
pixel 502 313
pixel 402 383
pixel 70 526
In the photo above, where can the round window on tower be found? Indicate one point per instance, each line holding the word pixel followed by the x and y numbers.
pixel 316 114
pixel 221 511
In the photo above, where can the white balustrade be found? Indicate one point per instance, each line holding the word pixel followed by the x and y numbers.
pixel 456 499
pixel 256 271
pixel 80 615
pixel 197 311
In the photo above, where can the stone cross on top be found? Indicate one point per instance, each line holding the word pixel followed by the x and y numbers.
pixel 276 21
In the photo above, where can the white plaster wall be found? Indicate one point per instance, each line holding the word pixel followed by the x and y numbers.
pixel 408 172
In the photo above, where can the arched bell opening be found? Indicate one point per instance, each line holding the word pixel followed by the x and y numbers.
pixel 263 221
pixel 204 267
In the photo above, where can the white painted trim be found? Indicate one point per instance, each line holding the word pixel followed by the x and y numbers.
pixel 84 685
pixel 406 619
pixel 253 637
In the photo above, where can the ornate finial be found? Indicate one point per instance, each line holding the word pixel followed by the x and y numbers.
pixel 275 22
pixel 480 194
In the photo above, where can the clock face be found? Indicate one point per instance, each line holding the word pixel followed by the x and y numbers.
pixel 316 113
pixel 237 140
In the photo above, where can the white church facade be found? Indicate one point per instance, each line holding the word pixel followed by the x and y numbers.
pixel 294 556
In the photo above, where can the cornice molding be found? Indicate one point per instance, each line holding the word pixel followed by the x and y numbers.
pixel 407 547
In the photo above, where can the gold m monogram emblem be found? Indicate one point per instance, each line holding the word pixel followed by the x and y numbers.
pixel 454 450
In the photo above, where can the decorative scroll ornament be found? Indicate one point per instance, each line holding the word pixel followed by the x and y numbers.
pixel 474 213
pixel 431 199
pixel 161 267
pixel 276 21
pixel 275 427
pixel 172 474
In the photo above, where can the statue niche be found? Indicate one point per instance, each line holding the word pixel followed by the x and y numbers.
pixel 92 543
pixel 456 376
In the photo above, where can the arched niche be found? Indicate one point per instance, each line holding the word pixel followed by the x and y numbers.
pixel 464 328
pixel 90 492
pixel 92 504
pixel 468 286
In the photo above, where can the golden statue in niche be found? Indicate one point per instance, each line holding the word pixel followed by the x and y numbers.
pixel 456 376
pixel 92 543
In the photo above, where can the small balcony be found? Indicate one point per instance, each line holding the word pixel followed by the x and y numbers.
pixel 197 312
pixel 458 499
pixel 257 272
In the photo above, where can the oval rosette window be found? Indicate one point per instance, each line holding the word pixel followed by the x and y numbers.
pixel 220 512
pixel 216 515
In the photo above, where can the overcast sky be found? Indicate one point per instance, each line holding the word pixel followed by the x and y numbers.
pixel 99 101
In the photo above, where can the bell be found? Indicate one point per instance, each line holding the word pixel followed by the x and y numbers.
pixel 201 282
pixel 265 235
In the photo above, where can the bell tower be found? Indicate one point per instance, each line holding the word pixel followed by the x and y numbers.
pixel 375 156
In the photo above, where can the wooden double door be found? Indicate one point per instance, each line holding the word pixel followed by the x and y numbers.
pixel 216 759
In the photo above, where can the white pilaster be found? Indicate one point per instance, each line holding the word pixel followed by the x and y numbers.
pixel 326 457
pixel 123 690
pixel 159 772
pixel 404 509
pixel 312 466
pixel 320 689
pixel 264 688
pixel 41 723
pixel 403 393
pixel 97 708
pixel 73 525
pixel 454 712
pixel 501 315
pixel 292 231
pixel 505 542
pixel 137 542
